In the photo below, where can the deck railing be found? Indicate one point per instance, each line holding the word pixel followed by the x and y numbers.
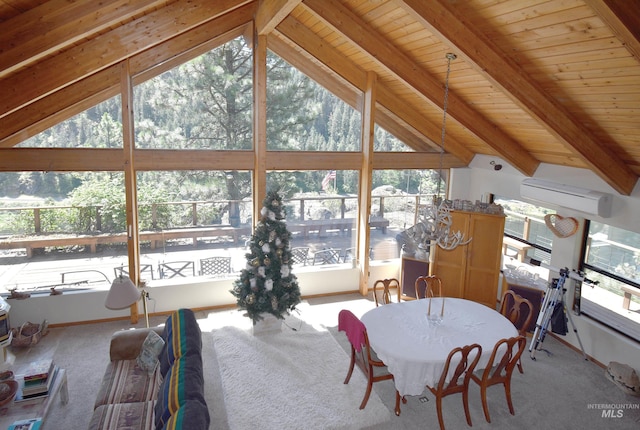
pixel 93 219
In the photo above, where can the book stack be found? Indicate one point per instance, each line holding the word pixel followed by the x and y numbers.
pixel 37 380
pixel 29 424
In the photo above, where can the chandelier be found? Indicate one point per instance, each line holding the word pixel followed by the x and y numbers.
pixel 437 221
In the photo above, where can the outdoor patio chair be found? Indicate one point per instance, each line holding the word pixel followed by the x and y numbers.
pixel 174 269
pixel 326 256
pixel 144 270
pixel 215 266
pixel 349 254
pixel 300 255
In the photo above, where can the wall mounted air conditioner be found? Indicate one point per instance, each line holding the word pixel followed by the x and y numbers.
pixel 580 199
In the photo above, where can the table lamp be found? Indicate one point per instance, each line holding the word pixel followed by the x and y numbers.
pixel 124 293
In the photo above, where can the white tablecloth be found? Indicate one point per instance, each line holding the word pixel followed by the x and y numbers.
pixel 415 349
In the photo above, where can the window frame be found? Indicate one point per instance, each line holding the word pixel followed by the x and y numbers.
pixel 526 230
pixel 609 317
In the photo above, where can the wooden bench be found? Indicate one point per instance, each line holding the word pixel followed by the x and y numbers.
pixel 158 237
pixel 520 247
pixel 43 242
pixel 379 223
pixel 321 226
pixel 324 226
pixel 628 292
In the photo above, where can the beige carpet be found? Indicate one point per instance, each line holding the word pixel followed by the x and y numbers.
pixel 286 379
pixel 561 391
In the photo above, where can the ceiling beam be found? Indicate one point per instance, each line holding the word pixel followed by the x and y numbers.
pixel 308 65
pixel 346 23
pixel 61 160
pixel 623 18
pixel 112 160
pixel 59 106
pixel 191 44
pixel 34 82
pixel 98 87
pixel 271 12
pixel 404 132
pixel 301 36
pixel 442 20
pixel 58 24
pixel 348 93
pixel 413 160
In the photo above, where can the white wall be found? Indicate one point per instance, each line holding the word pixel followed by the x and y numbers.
pixel 471 183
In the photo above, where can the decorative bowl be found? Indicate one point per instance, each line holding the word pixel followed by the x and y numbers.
pixel 7 374
pixel 8 391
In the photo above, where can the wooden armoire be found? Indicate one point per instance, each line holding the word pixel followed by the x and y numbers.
pixel 472 271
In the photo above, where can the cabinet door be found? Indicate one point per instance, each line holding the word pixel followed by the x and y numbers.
pixel 449 265
pixel 483 258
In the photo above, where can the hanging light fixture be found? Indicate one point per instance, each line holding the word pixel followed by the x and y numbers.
pixel 438 220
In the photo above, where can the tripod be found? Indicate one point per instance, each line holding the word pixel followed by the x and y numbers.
pixel 553 296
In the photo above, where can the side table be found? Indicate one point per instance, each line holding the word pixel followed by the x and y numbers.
pixel 35 408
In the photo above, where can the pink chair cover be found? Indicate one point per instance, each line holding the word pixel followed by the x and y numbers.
pixel 353 327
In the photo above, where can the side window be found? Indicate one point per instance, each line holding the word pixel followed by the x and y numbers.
pixel 611 256
pixel 525 232
pixel 526 237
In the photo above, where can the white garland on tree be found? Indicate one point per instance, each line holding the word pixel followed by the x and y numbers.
pixel 267 284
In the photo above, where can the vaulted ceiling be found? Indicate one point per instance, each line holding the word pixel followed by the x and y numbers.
pixel 534 81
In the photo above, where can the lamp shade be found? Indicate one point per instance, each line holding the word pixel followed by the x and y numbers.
pixel 123 293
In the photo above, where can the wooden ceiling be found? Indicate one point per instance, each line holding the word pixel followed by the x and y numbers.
pixel 534 81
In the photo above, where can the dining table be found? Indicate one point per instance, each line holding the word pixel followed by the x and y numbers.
pixel 415 346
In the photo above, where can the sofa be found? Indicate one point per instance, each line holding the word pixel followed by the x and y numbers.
pixel 167 395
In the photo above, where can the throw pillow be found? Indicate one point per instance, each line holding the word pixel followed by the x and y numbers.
pixel 151 347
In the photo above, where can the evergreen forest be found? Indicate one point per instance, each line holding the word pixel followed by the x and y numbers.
pixel 206 103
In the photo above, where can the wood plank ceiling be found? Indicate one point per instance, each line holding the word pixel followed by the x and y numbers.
pixel 534 81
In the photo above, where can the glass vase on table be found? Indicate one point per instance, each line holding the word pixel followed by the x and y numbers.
pixel 436 314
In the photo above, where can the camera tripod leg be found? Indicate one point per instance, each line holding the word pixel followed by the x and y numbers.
pixel 575 330
pixel 544 318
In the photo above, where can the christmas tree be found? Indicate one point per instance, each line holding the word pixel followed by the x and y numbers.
pixel 267 284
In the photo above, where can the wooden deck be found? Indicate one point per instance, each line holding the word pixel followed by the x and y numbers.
pixel 157 238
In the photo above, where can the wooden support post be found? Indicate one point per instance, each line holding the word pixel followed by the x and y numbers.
pixel 259 122
pixel 364 208
pixel 130 183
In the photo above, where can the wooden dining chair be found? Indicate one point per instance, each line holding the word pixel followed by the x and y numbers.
pixel 506 353
pixel 362 355
pixel 519 311
pixel 466 358
pixel 428 286
pixel 382 291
